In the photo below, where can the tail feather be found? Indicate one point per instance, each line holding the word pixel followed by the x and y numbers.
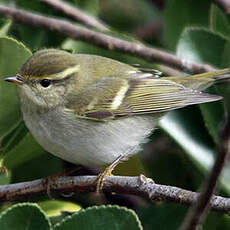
pixel 203 80
pixel 215 75
pixel 205 97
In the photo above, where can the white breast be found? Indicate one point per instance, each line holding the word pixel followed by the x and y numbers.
pixel 88 142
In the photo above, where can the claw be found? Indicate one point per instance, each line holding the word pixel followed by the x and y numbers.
pixel 107 172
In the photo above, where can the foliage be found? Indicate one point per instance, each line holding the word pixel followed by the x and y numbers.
pixel 180 153
pixel 31 216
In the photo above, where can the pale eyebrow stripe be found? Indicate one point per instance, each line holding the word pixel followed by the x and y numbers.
pixel 57 76
pixel 66 72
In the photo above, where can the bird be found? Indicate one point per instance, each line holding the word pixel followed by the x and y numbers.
pixel 96 111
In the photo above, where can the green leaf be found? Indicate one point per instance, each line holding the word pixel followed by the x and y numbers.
pixel 180 13
pixel 199 45
pixel 56 207
pixel 13 137
pixel 219 21
pixel 190 135
pixel 169 216
pixel 24 216
pixel 12 55
pixel 163 216
pixel 27 149
pixel 187 130
pixel 168 161
pixel 101 217
pixel 5 28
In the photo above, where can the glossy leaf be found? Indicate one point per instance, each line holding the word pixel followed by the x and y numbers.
pixel 24 216
pixel 12 55
pixel 192 138
pixel 219 21
pixel 180 14
pixel 197 44
pixel 188 133
pixel 13 137
pixel 5 28
pixel 170 216
pixel 101 217
pixel 24 151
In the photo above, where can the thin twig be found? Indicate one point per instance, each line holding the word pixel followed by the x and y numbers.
pixel 103 40
pixel 196 214
pixel 140 186
pixel 76 14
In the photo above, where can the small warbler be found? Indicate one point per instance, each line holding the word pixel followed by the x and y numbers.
pixel 94 111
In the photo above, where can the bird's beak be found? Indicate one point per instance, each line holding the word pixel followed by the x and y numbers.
pixel 18 79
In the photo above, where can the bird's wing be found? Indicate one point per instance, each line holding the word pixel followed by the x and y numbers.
pixel 114 97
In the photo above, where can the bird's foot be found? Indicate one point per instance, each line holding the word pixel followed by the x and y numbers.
pixel 107 172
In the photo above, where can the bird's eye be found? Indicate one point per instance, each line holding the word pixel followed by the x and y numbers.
pixel 45 83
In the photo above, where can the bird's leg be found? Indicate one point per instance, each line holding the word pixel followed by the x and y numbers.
pixel 107 172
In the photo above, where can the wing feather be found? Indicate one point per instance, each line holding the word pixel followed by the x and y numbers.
pixel 118 96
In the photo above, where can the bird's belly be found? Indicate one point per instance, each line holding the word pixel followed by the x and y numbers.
pixel 88 142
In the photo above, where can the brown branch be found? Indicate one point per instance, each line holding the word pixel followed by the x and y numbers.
pixel 76 14
pixel 196 214
pixel 103 40
pixel 140 186
pixel 224 5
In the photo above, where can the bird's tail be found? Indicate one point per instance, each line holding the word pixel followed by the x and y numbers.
pixel 203 80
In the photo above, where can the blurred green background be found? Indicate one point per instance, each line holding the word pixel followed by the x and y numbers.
pixel 180 152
